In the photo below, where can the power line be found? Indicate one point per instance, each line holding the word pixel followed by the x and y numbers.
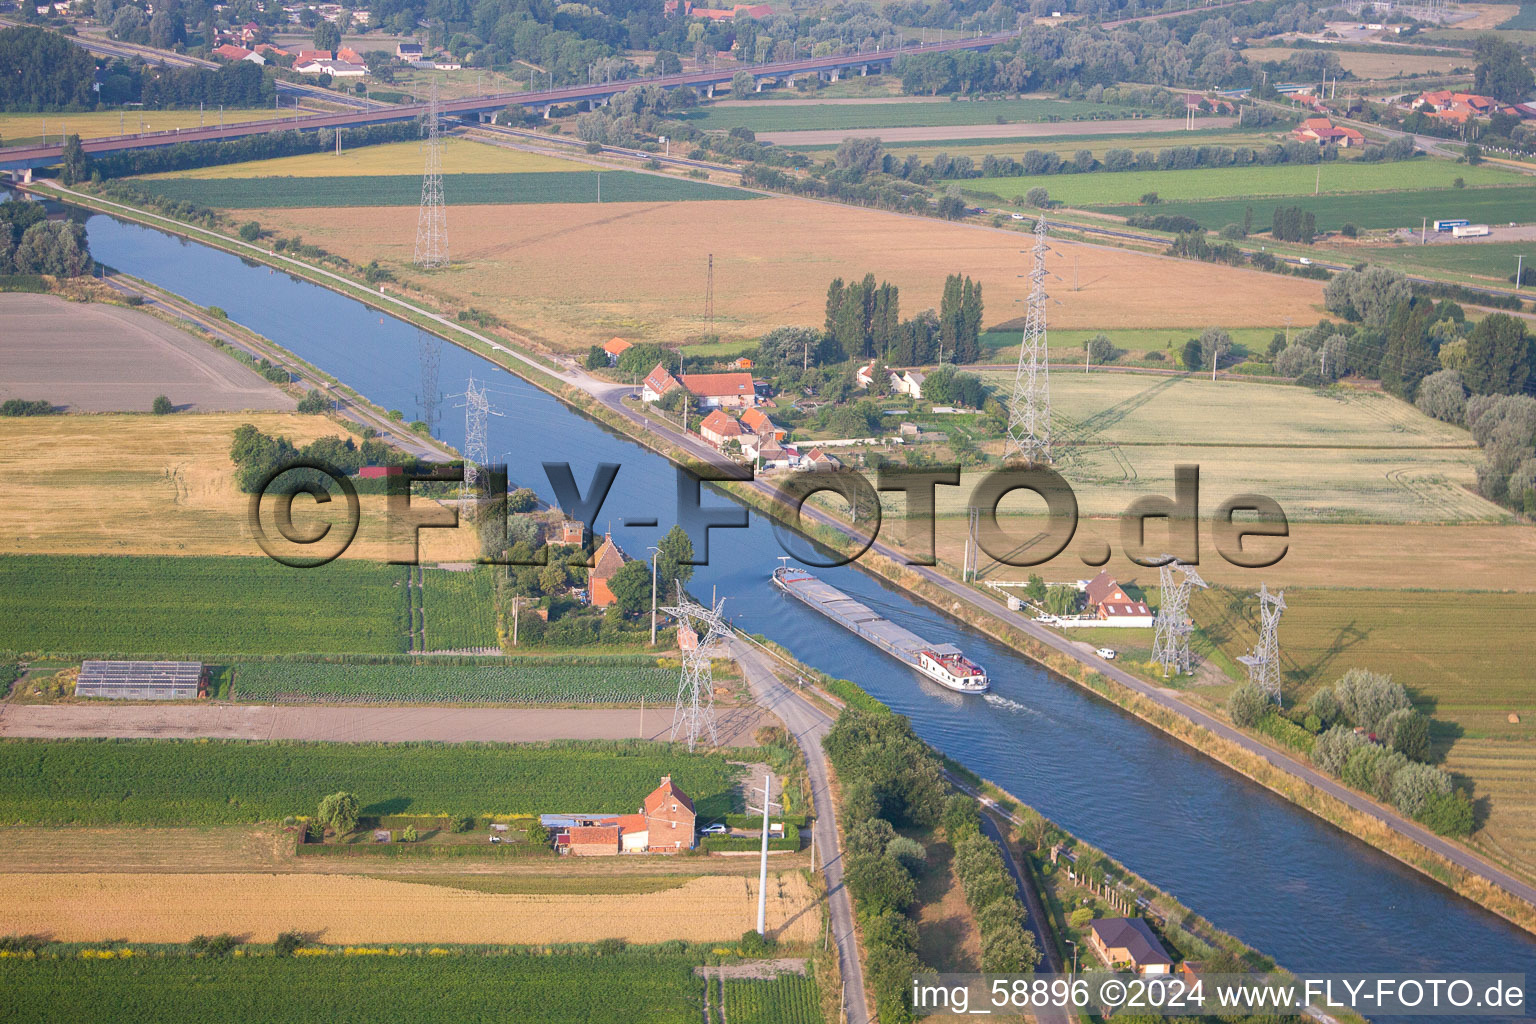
pixel 432 220
pixel 1029 412
pixel 1170 644
pixel 699 629
pixel 1264 661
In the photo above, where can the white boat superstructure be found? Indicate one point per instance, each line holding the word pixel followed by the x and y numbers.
pixel 945 664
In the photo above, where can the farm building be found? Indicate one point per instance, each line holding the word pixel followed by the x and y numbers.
pixel 572 532
pixel 665 823
pixel 721 390
pixel 1323 131
pixel 608 560
pixel 764 429
pixel 140 680
pixel 1128 940
pixel 615 347
pixel 1109 602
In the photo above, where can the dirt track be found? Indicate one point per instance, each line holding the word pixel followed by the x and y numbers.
pixel 102 358
pixel 828 136
pixel 357 724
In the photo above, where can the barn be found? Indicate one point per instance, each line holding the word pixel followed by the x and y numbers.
pixel 140 680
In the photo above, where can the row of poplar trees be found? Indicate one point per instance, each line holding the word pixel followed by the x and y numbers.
pixel 865 320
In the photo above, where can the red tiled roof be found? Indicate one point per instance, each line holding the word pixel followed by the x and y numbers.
pixel 308 55
pixel 232 52
pixel 594 834
pixel 629 823
pixel 660 381
pixel 718 422
pixel 608 561
pixel 616 346
pixel 757 421
pixel 666 793
pixel 1100 587
pixel 718 385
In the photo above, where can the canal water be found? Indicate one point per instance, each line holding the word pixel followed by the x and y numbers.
pixel 1279 878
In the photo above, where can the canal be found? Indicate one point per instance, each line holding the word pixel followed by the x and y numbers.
pixel 1276 876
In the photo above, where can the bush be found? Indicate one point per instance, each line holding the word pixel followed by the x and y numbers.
pixel 217 945
pixel 408 835
pixel 755 945
pixel 1080 917
pixel 286 943
pixel 1449 814
pixel 1443 396
pixel 250 231
pixel 162 406
pixel 314 403
pixel 1247 705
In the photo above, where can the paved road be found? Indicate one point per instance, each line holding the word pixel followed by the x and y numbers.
pixel 357 723
pixel 941 133
pixel 808 724
pixel 1026 892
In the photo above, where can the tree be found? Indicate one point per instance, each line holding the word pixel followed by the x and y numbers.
pixel 1449 814
pixel 672 563
pixel 666 63
pixel 162 406
pixel 250 230
pixel 1366 698
pixel 338 812
pixel 864 155
pixel 74 168
pixel 1498 356
pixel 1443 396
pixel 314 403
pixel 286 943
pixel 1407 732
pixel 54 247
pixel 1501 71
pixel 1214 343
pixel 1039 197
pixel 327 36
pixel 409 834
pixel 879 884
pixel 1191 354
pixel 1247 705
pixel 631 586
pixel 742 85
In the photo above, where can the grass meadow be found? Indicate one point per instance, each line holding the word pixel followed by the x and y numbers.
pixel 1451 649
pixel 1405 209
pixel 166 782
pixel 1495 260
pixel 199 607
pixel 461 189
pixel 1104 188
pixel 27 128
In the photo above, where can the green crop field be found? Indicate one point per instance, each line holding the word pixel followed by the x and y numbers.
pixel 461 189
pixel 519 681
pixel 1487 259
pixel 463 985
pixel 1407 209
pixel 167 782
pixel 1102 188
pixel 459 608
pixel 787 999
pixel 199 606
pixel 771 118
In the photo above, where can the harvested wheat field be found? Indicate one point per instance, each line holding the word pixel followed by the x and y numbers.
pixel 346 909
pixel 157 485
pixel 571 275
pixel 1383 63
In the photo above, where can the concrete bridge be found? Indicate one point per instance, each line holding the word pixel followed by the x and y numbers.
pixel 832 67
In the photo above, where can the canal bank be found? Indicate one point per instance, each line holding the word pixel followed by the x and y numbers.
pixel 1455 866
pixel 1254 864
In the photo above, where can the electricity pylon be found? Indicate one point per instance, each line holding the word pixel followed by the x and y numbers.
pixel 430 350
pixel 432 220
pixel 698 630
pixel 1029 411
pixel 1264 661
pixel 1170 644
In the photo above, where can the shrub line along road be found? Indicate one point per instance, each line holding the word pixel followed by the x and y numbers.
pixel 612 396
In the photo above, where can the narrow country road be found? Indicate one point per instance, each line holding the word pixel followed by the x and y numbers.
pixel 1050 958
pixel 808 724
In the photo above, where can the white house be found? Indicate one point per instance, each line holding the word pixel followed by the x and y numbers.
pixel 909 382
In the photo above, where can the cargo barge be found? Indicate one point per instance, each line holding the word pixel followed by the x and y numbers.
pixel 943 663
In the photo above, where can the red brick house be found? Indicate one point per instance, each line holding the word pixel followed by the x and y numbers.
pixel 669 818
pixel 1109 601
pixel 594 841
pixel 1128 940
pixel 1323 131
pixel 609 560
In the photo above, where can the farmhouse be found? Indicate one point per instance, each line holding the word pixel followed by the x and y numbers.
pixel 1128 940
pixel 760 426
pixel 615 347
pixel 817 460
pixel 721 390
pixel 657 383
pixel 608 560
pixel 1458 106
pixel 1108 601
pixel 908 382
pixel 141 680
pixel 665 823
pixel 1323 131
pixel 231 52
pixel 717 428
pixel 408 51
pixel 305 56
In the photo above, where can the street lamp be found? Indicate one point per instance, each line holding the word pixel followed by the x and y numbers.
pixel 1074 955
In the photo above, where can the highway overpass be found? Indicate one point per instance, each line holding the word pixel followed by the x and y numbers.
pixel 25 157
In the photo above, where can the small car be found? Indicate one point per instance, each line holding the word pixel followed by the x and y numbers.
pixel 1107 653
pixel 1304 261
pixel 714 830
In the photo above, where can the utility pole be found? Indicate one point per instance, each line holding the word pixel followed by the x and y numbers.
pixel 762 871
pixel 1424 232
pixel 517 603
pixel 1519 270
pixel 1318 188
pixel 655 554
